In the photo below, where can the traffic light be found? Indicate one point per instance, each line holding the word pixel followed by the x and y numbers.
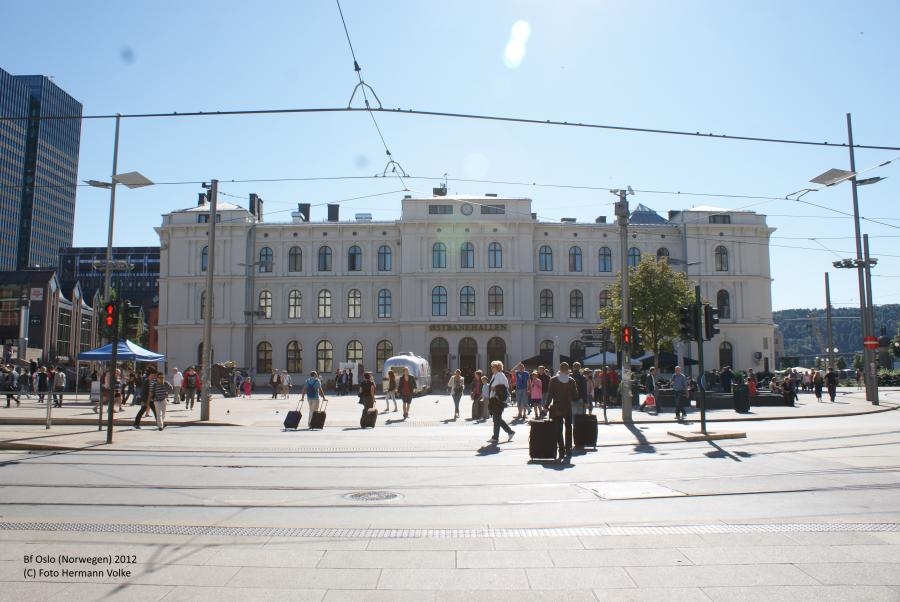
pixel 710 321
pixel 686 320
pixel 627 335
pixel 635 337
pixel 110 315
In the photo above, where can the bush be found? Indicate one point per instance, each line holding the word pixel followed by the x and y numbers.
pixel 889 378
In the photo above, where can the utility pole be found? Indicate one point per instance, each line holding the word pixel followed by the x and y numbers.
pixel 113 381
pixel 828 322
pixel 207 323
pixel 870 322
pixel 622 216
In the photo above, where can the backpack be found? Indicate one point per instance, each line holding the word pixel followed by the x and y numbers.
pixel 191 380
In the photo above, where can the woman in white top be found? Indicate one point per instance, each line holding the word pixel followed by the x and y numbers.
pixel 499 394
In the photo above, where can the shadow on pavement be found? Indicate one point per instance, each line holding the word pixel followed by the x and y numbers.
pixel 722 453
pixel 643 446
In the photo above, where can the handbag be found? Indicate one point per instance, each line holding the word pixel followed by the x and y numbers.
pixel 495 406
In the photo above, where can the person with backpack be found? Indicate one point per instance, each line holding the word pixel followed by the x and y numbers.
pixel 312 393
pixel 190 384
pixel 456 384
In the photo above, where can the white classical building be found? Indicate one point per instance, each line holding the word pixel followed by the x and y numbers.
pixel 459 280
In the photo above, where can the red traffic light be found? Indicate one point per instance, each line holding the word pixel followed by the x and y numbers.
pixel 627 335
pixel 109 316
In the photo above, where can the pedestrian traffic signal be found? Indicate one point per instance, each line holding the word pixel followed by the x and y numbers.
pixel 635 337
pixel 109 315
pixel 710 321
pixel 687 321
pixel 627 335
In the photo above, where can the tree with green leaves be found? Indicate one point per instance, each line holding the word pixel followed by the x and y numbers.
pixel 657 294
pixel 841 364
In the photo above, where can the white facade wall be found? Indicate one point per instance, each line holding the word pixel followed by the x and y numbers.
pixel 688 236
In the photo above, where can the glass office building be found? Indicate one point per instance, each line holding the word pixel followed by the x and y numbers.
pixel 38 170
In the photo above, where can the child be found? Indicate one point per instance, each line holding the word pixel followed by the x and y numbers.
pixel 536 390
pixel 247 386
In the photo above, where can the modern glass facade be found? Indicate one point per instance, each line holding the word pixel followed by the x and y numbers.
pixel 40 153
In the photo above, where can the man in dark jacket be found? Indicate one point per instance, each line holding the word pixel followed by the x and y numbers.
pixel 562 392
pixel 581 382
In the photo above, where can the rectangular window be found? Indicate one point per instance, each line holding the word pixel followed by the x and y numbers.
pixel 493 210
pixel 720 219
pixel 440 209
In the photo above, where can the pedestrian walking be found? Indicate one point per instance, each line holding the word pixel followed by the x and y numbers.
pixel 498 390
pixel 456 385
pixel 367 392
pixel 11 385
pixel 247 386
pixel 831 381
pixel 523 393
pixel 581 383
pixel 536 389
pixel 42 383
pixel 544 375
pixel 859 375
pixel 190 384
pixel 679 387
pixel 391 394
pixel 274 383
pixel 59 386
pixel 787 390
pixel 312 393
pixel 177 382
pixel 159 394
pixel 146 401
pixel 650 385
pixel 406 387
pixel 560 395
pixel 817 383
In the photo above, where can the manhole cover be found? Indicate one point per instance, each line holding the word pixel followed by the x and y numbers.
pixel 372 496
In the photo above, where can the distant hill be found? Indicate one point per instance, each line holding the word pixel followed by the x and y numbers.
pixel 805 334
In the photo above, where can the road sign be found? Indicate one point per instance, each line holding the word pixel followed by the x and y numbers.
pixel 597 331
pixel 588 339
pixel 870 342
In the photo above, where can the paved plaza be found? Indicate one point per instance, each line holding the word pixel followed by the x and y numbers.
pixel 806 507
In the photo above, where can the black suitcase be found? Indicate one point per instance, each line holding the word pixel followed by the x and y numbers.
pixel 542 440
pixel 584 430
pixel 317 419
pixel 293 418
pixel 368 418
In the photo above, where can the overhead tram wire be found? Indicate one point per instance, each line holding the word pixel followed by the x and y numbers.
pixel 391 165
pixel 419 112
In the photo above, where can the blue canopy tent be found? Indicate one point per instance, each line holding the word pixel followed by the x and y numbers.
pixel 126 352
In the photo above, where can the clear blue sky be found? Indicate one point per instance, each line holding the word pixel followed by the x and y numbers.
pixel 762 68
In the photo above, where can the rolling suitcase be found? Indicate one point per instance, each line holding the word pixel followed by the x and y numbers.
pixel 293 418
pixel 317 419
pixel 584 430
pixel 368 419
pixel 542 440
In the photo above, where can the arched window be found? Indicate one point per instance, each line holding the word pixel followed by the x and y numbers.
pixel 324 357
pixel 546 347
pixel 576 351
pixel 354 259
pixel 294 357
pixel 354 351
pixel 575 259
pixel 576 305
pixel 439 355
pixel 545 259
pixel 438 255
pixel 385 259
pixel 295 259
pixel 202 305
pixel 604 298
pixel 354 304
pixel 324 304
pixel 383 350
pixel 634 257
pixel 495 301
pixel 721 254
pixel 265 305
pixel 496 350
pixel 662 254
pixel 726 354
pixel 204 258
pixel 439 301
pixel 546 304
pixel 384 303
pixel 495 255
pixel 325 258
pixel 466 256
pixel 295 305
pixel 467 301
pixel 266 259
pixel 605 260
pixel 264 357
pixel 723 303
